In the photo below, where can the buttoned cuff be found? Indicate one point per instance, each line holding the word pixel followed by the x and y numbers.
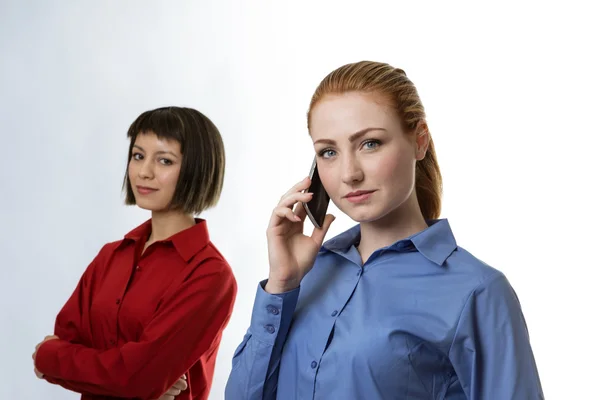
pixel 272 313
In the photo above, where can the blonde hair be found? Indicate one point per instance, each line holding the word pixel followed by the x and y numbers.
pixel 393 84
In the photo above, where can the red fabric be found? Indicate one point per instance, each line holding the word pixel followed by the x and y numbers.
pixel 134 325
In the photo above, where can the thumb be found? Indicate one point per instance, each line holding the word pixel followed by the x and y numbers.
pixel 318 235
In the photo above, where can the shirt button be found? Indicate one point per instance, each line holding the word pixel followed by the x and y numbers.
pixel 118 301
pixel 137 268
pixel 333 314
pixel 358 273
pixel 313 364
pixel 270 328
pixel 272 309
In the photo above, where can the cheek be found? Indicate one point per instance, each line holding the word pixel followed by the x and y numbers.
pixel 395 168
pixel 130 170
pixel 328 179
pixel 169 177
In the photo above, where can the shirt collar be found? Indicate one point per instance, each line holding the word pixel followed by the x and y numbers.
pixel 436 242
pixel 187 242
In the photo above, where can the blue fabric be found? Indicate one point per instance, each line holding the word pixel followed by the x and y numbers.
pixel 421 319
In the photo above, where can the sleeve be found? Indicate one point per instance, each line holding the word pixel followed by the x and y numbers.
pixel 72 320
pixel 255 370
pixel 491 352
pixel 181 331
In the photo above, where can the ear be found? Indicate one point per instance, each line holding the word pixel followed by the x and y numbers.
pixel 422 140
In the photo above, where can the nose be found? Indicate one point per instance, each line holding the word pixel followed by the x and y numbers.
pixel 352 171
pixel 146 170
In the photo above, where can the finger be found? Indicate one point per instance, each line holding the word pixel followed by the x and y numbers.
pixel 302 185
pixel 300 211
pixel 318 235
pixel 173 392
pixel 284 213
pixel 294 198
pixel 181 384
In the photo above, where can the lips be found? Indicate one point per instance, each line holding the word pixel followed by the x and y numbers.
pixel 360 196
pixel 145 190
pixel 358 193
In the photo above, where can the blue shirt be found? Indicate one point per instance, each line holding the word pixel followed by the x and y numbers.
pixel 421 319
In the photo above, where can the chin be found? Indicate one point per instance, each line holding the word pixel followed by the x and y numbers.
pixel 150 207
pixel 370 213
pixel 365 215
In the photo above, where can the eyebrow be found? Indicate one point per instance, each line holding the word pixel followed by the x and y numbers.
pixel 158 152
pixel 352 137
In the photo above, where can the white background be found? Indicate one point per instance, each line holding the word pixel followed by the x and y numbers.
pixel 511 92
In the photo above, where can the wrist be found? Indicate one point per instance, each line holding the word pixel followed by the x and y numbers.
pixel 277 287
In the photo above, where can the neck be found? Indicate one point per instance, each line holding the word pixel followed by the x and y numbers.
pixel 399 224
pixel 167 223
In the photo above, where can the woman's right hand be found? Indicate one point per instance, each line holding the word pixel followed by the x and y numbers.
pixel 179 386
pixel 291 253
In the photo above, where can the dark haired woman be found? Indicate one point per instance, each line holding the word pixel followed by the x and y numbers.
pixel 146 318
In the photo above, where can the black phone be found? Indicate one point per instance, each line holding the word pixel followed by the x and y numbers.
pixel 316 208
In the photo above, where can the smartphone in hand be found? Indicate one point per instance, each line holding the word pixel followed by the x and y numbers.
pixel 316 208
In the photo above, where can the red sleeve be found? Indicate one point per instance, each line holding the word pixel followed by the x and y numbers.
pixel 72 321
pixel 180 332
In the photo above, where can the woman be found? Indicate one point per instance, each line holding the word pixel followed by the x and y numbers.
pixel 391 308
pixel 146 318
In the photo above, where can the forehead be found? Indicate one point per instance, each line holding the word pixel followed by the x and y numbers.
pixel 338 116
pixel 149 141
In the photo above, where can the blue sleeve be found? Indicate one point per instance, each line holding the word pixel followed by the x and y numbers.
pixel 491 353
pixel 255 366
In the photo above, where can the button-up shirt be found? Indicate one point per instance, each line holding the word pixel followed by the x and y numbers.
pixel 421 319
pixel 136 324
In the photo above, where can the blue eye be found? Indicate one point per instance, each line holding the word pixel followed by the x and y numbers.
pixel 371 144
pixel 327 153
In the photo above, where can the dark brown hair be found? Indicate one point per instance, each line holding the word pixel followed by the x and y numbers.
pixel 203 165
pixel 394 85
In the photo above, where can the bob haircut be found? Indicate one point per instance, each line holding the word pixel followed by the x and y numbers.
pixel 203 165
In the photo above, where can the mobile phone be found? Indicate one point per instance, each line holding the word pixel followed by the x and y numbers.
pixel 316 208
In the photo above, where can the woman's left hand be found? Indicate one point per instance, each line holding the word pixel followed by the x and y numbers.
pixel 38 373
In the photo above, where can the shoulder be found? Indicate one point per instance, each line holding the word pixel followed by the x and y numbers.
pixel 474 281
pixel 210 260
pixel 471 269
pixel 109 249
pixel 482 281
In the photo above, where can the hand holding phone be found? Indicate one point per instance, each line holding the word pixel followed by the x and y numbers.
pixel 291 252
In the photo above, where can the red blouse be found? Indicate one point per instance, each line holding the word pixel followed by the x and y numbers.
pixel 135 325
